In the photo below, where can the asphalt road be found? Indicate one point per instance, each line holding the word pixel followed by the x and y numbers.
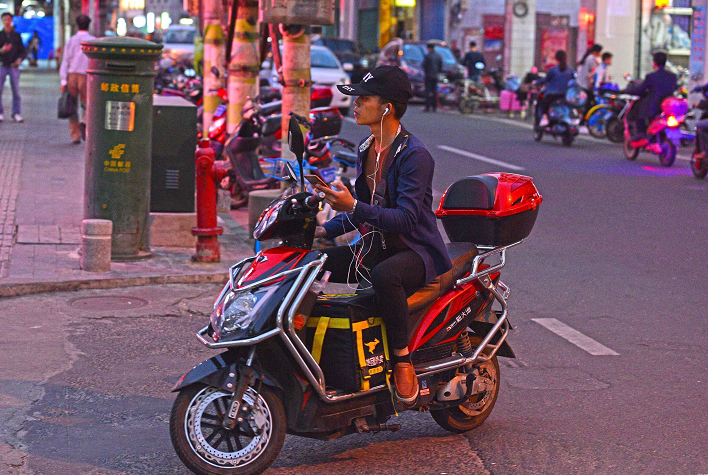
pixel 608 299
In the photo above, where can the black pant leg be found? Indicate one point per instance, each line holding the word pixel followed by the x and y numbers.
pixel 395 278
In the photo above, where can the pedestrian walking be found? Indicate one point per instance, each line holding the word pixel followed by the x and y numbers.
pixel 33 46
pixel 474 61
pixel 432 67
pixel 73 75
pixel 12 52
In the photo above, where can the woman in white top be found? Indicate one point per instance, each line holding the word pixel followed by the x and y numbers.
pixel 587 65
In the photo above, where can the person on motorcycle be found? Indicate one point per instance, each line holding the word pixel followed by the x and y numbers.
pixel 656 87
pixel 401 249
pixel 701 125
pixel 556 81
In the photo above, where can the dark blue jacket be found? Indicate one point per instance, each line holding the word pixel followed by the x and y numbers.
pixel 656 87
pixel 556 81
pixel 410 191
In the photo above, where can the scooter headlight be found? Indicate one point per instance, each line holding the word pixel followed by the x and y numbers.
pixel 236 310
pixel 672 122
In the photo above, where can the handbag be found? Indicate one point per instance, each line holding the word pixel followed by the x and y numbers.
pixel 66 107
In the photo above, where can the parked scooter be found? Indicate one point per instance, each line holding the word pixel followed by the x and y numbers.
pixel 564 115
pixel 258 130
pixel 663 136
pixel 313 365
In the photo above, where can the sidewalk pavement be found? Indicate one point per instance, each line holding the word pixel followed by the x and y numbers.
pixel 41 209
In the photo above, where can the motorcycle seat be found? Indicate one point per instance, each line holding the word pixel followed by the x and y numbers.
pixel 348 157
pixel 425 296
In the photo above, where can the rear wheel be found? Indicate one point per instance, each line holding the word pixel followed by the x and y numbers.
pixel 615 130
pixel 699 168
pixel 474 410
pixel 206 448
pixel 629 151
pixel 667 157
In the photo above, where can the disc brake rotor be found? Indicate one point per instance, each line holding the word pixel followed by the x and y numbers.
pixel 476 403
pixel 208 438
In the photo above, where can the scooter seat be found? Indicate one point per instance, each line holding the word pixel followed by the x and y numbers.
pixel 461 265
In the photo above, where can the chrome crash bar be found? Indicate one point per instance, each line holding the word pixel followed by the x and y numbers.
pixel 310 367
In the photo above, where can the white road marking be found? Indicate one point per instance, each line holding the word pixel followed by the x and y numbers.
pixel 575 337
pixel 480 158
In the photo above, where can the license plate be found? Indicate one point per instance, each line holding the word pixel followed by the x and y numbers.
pixel 328 174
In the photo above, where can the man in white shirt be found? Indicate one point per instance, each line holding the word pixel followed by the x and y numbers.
pixel 602 75
pixel 73 74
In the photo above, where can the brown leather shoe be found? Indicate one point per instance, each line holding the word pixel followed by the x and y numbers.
pixel 406 383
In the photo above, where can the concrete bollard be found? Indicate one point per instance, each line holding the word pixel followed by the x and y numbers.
pixel 96 245
pixel 258 200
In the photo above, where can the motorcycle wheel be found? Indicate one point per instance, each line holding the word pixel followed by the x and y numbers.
pixel 629 151
pixel 667 157
pixel 699 169
pixel 596 124
pixel 568 138
pixel 475 410
pixel 537 133
pixel 615 130
pixel 206 448
pixel 466 106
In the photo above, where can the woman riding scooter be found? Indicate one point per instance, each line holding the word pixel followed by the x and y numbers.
pixel 402 249
pixel 556 82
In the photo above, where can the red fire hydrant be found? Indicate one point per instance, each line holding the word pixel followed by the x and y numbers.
pixel 207 232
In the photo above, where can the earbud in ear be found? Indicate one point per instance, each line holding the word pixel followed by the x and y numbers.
pixel 385 111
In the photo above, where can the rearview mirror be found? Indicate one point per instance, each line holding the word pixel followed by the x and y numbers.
pixel 296 142
pixel 290 172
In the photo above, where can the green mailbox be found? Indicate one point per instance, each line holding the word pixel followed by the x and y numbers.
pixel 120 83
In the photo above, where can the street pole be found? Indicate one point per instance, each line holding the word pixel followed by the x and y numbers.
pixel 213 58
pixel 296 78
pixel 244 65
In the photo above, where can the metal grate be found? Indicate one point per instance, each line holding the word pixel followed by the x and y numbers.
pixel 172 179
pixel 432 353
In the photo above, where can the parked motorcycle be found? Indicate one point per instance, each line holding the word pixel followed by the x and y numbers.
pixel 296 361
pixel 663 136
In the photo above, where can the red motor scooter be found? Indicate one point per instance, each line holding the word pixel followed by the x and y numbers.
pixel 663 136
pixel 296 361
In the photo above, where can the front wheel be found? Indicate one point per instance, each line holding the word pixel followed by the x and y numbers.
pixel 596 124
pixel 629 151
pixel 474 410
pixel 568 138
pixel 537 133
pixel 207 448
pixel 466 105
pixel 667 157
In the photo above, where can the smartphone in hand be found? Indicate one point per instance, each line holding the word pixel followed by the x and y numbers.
pixel 316 180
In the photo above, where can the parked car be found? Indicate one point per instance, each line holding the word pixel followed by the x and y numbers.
pixel 178 41
pixel 348 54
pixel 409 55
pixel 326 70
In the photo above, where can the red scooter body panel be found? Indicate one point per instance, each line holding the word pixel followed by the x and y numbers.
pixel 273 261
